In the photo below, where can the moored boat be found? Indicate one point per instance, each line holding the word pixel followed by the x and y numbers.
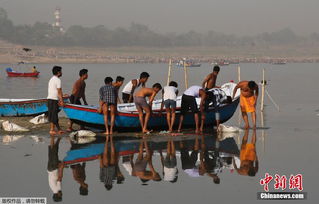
pixel 23 107
pixel 127 117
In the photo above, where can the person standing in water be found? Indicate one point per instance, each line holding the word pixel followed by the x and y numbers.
pixel 141 104
pixel 248 100
pixel 55 98
pixel 170 93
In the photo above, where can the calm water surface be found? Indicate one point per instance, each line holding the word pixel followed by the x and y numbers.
pixel 288 144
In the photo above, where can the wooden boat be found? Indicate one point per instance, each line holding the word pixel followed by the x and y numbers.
pixel 127 117
pixel 91 151
pixel 24 107
pixel 12 73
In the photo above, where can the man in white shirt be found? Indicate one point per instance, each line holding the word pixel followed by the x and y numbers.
pixel 55 99
pixel 129 88
pixel 169 100
pixel 55 169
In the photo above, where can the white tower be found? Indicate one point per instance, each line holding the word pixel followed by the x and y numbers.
pixel 57 22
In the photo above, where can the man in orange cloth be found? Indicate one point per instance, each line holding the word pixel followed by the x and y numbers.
pixel 248 100
pixel 248 156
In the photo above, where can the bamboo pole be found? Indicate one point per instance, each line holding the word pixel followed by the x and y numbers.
pixel 262 92
pixel 272 100
pixel 239 113
pixel 238 73
pixel 169 71
pixel 185 74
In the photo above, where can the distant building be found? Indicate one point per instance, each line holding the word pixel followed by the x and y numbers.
pixel 57 23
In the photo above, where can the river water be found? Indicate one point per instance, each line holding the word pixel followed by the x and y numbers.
pixel 286 146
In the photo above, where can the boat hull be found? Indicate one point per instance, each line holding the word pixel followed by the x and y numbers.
pixel 128 121
pixel 17 74
pixel 28 107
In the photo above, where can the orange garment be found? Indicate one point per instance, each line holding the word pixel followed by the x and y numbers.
pixel 247 104
pixel 248 153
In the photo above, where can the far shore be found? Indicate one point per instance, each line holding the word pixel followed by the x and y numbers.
pixel 12 54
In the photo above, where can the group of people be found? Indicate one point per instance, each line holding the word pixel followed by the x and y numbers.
pixel 208 92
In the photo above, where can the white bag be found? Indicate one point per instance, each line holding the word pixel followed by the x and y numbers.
pixel 7 139
pixel 40 119
pixel 82 140
pixel 225 128
pixel 8 126
pixel 82 133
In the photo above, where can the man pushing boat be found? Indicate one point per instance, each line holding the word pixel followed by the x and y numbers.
pixel 248 100
pixel 141 104
pixel 129 88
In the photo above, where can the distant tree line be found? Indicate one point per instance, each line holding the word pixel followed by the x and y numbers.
pixel 45 34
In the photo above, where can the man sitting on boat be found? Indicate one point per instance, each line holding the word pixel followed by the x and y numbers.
pixel 189 103
pixel 129 88
pixel 34 69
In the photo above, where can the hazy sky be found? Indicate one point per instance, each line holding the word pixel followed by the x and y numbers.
pixel 241 17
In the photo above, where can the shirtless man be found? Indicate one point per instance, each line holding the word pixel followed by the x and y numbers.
pixel 248 100
pixel 210 80
pixel 78 92
pixel 129 88
pixel 141 104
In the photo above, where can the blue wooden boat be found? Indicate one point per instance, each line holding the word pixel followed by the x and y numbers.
pixel 23 107
pixel 127 118
pixel 90 152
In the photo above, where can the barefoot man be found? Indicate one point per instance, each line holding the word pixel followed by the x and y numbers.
pixel 107 102
pixel 55 98
pixel 78 92
pixel 141 104
pixel 248 100
pixel 189 103
pixel 210 80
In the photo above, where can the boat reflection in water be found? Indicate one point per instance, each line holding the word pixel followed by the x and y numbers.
pixel 161 158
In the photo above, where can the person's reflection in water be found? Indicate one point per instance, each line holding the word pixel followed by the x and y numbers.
pixel 189 160
pixel 139 167
pixel 248 156
pixel 169 163
pixel 78 171
pixel 55 169
pixel 210 163
pixel 108 163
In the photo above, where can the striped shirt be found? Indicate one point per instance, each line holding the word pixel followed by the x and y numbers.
pixel 107 94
